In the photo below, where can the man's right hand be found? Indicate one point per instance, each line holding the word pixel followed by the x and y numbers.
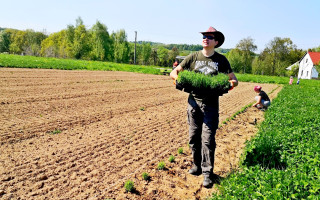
pixel 175 80
pixel 174 73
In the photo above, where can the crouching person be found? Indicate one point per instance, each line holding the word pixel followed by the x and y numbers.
pixel 262 100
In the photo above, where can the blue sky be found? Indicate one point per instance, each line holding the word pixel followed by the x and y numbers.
pixel 175 21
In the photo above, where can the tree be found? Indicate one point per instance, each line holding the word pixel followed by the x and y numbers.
pixel 81 47
pixel 294 70
pixel 121 47
pixel 295 55
pixel 32 45
pixel 275 58
pixel 236 60
pixel 67 42
pixel 139 59
pixel 247 48
pixel 146 53
pixel 318 67
pixel 316 49
pixel 22 42
pixel 173 54
pixel 17 39
pixel 154 56
pixel 55 45
pixel 163 56
pixel 4 41
pixel 101 44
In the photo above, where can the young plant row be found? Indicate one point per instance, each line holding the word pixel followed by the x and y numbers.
pixel 283 160
pixel 243 109
pixel 129 184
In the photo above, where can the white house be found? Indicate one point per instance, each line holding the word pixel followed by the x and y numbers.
pixel 307 64
pixel 290 67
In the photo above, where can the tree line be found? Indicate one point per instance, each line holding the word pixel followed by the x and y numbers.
pixel 96 43
pixel 278 54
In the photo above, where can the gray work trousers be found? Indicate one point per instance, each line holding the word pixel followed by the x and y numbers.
pixel 203 122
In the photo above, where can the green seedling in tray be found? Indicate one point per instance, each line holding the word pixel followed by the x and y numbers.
pixel 198 83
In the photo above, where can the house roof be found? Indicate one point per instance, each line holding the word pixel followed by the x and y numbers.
pixel 315 57
pixel 290 67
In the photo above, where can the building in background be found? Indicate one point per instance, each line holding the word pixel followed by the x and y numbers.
pixel 307 63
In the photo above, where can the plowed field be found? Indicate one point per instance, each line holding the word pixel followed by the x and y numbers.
pixel 82 134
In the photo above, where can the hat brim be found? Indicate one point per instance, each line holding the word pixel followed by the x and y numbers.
pixel 218 37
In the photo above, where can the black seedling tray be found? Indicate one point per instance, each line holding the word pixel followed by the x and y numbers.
pixel 200 91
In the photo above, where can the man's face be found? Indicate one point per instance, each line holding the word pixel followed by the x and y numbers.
pixel 209 40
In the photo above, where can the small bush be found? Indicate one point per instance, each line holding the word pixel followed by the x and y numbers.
pixel 171 158
pixel 129 186
pixel 161 165
pixel 145 176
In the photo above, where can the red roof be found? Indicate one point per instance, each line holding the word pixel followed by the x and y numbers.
pixel 315 57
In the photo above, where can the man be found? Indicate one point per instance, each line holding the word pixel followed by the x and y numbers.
pixel 203 111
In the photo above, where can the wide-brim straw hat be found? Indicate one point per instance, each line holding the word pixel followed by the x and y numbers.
pixel 217 34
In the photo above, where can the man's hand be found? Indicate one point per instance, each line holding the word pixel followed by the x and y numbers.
pixel 175 80
pixel 231 84
pixel 174 73
pixel 233 80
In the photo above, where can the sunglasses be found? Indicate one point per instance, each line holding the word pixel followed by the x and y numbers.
pixel 208 36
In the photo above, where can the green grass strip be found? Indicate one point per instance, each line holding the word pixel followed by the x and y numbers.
pixel 271 79
pixel 16 61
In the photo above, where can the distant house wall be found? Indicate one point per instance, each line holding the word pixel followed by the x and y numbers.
pixel 306 67
pixel 315 74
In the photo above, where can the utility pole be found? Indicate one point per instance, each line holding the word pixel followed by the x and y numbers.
pixel 135 47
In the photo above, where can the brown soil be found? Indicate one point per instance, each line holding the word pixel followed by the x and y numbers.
pixel 82 134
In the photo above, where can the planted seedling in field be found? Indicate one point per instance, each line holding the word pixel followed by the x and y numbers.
pixel 171 158
pixel 145 176
pixel 161 165
pixel 180 150
pixel 56 131
pixel 129 186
